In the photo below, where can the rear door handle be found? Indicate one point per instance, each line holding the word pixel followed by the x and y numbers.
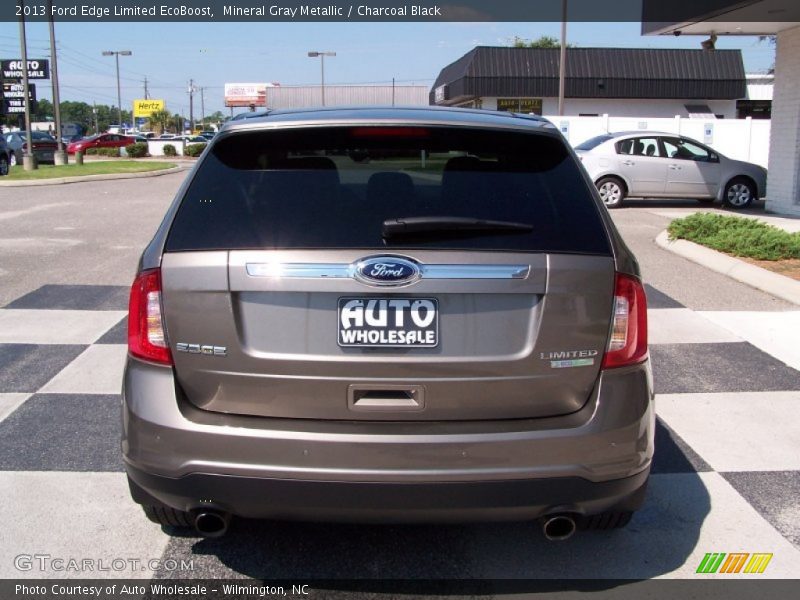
pixel 675 167
pixel 628 163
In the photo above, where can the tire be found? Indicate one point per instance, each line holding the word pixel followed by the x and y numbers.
pixel 164 515
pixel 612 191
pixel 3 166
pixel 607 520
pixel 739 193
pixel 12 160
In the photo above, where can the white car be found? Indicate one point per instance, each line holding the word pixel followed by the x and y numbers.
pixel 649 164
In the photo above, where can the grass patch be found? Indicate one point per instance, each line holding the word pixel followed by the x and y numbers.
pixel 17 173
pixel 737 236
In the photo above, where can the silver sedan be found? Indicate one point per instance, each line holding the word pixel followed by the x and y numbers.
pixel 647 164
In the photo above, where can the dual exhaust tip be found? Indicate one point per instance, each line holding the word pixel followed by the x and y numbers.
pixel 214 524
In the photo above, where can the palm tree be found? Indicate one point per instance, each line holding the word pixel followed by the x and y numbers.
pixel 158 121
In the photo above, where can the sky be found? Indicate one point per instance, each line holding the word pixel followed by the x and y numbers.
pixel 212 54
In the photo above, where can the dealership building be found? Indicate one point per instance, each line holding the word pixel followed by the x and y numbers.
pixel 619 82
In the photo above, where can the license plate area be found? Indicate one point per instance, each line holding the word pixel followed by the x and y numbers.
pixel 392 322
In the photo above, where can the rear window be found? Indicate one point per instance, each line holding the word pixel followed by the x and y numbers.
pixel 593 143
pixel 333 187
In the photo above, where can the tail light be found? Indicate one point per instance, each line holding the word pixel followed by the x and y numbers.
pixel 146 337
pixel 628 342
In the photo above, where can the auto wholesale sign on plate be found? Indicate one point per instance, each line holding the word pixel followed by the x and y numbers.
pixel 37 69
pixel 14 97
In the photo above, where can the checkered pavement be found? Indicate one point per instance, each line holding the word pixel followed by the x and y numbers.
pixel 726 476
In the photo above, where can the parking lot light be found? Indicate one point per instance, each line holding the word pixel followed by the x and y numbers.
pixel 321 55
pixel 116 54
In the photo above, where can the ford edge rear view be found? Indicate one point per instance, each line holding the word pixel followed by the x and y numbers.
pixel 388 315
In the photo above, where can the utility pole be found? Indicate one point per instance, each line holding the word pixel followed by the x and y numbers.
pixel 191 105
pixel 28 159
pixel 146 93
pixel 562 63
pixel 94 114
pixel 60 157
pixel 202 108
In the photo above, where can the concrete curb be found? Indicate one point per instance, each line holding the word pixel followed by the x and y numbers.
pixel 782 287
pixel 79 178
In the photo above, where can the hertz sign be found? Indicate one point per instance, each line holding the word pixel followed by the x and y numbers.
pixel 145 108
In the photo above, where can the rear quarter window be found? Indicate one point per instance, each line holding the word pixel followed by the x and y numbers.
pixel 333 187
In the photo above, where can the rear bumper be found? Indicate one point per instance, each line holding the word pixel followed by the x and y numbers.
pixel 586 462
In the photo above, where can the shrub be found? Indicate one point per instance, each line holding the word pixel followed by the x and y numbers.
pixel 169 150
pixel 194 149
pixel 737 236
pixel 137 150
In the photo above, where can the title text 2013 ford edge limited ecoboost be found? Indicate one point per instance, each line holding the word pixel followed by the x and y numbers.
pixel 388 315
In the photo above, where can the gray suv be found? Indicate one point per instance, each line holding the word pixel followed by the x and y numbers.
pixel 388 315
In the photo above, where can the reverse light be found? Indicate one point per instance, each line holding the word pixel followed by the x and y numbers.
pixel 146 338
pixel 627 344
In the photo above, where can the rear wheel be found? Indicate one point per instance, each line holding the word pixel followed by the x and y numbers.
pixel 739 193
pixel 164 515
pixel 13 159
pixel 612 191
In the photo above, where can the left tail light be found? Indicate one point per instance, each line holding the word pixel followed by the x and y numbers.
pixel 146 337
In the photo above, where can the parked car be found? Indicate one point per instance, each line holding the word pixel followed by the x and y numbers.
pixel 44 146
pixel 191 139
pixel 457 336
pixel 209 135
pixel 167 136
pixel 650 164
pixel 105 140
pixel 5 156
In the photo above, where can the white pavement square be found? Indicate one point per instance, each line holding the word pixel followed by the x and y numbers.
pixel 775 333
pixel 10 402
pixel 75 515
pixel 98 370
pixel 742 431
pixel 31 326
pixel 684 326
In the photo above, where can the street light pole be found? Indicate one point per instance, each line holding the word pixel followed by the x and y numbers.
pixel 116 54
pixel 28 158
pixel 321 55
pixel 562 63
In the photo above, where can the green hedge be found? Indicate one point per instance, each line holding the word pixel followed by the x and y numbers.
pixel 194 149
pixel 737 236
pixel 169 150
pixel 103 152
pixel 137 150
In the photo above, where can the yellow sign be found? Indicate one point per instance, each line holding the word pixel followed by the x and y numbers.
pixel 145 108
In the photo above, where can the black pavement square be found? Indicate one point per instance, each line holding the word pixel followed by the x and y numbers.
pixel 62 432
pixel 75 297
pixel 673 455
pixel 27 367
pixel 724 367
pixel 117 334
pixel 774 494
pixel 658 299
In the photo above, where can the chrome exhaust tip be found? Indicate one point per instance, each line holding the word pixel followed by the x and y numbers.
pixel 558 527
pixel 211 524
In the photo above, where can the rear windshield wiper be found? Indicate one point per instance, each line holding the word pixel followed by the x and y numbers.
pixel 421 225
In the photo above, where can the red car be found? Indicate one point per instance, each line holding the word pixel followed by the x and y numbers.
pixel 104 140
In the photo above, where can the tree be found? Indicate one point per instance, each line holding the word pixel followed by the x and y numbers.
pixel 544 41
pixel 158 121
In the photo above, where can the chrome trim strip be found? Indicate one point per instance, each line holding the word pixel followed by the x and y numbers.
pixel 344 271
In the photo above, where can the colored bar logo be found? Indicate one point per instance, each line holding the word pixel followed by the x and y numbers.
pixel 735 562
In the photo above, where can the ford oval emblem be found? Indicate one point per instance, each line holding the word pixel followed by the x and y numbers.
pixel 387 270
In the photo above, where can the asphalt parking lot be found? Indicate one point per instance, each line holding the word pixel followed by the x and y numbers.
pixel 726 476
